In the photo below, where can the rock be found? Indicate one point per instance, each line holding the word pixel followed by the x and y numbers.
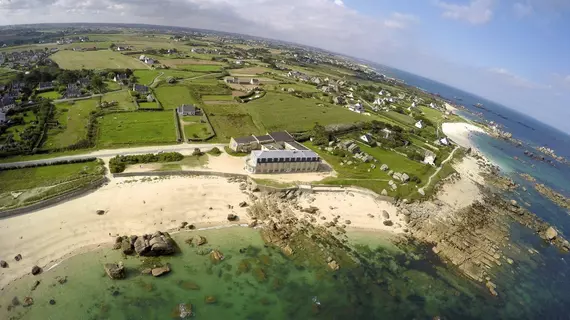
pixel 333 265
pixel 115 271
pixel 28 301
pixel 232 217
pixel 199 240
pixel 52 302
pixel 404 177
pixel 243 204
pixel 216 256
pixel 253 185
pixel 388 223
pixel 183 224
pixel 385 214
pixel 126 247
pixel 100 212
pixel 210 299
pixel 157 272
pixel 491 286
pixel 435 250
pixel 421 191
pixel 182 311
pixel 407 219
pixel 551 233
pixel 384 167
pixel 18 257
pixel 35 285
pixel 384 192
pixel 191 227
pixel 36 270
pixel 15 301
pixel 510 261
pixel 157 244
pixel 3 264
pixel 311 210
pixel 61 280
pixel 391 172
pixel 253 223
pixel 347 222
pixel 514 203
pixel 287 250
pixel 118 239
pixel 146 271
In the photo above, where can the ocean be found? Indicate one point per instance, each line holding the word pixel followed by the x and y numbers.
pixel 404 281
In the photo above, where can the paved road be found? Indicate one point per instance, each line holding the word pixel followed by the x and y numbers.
pixel 186 149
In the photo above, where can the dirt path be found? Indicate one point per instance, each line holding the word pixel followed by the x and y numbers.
pixel 441 166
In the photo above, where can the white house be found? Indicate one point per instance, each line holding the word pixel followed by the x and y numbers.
pixel 378 102
pixel 429 159
pixel 444 141
pixel 358 108
pixel 413 105
pixel 419 124
pixel 432 105
pixel 142 57
pixel 350 95
pixel 367 138
pixel 381 93
pixel 2 117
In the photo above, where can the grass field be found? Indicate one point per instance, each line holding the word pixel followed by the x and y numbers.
pixel 147 76
pixel 296 86
pixel 217 98
pixel 136 128
pixel 112 85
pixel 279 111
pixel 104 59
pixel 41 183
pixel 401 118
pixel 29 117
pixel 172 97
pixel 194 128
pixel 73 119
pixel 200 67
pixel 149 105
pixel 177 63
pixel 50 95
pixel 122 97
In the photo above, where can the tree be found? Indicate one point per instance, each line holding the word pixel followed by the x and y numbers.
pixel 320 135
pixel 112 46
pixel 98 84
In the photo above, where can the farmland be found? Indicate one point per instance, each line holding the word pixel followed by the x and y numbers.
pixel 104 59
pixel 136 128
pixel 49 95
pixel 72 119
pixel 217 98
pixel 200 67
pixel 29 117
pixel 172 97
pixel 147 76
pixel 276 110
pixel 124 100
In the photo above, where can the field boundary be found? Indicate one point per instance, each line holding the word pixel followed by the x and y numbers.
pixel 42 204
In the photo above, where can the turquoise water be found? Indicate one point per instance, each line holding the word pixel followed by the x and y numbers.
pixel 258 282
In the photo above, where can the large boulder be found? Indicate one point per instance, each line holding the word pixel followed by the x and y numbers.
pixel 115 270
pixel 384 167
pixel 384 192
pixel 158 244
pixel 404 177
pixel 232 217
pixel 159 271
pixel 550 233
pixel 36 270
pixel 385 214
pixel 127 247
pixel 3 264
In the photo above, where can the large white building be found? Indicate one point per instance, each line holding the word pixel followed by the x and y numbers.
pixel 282 161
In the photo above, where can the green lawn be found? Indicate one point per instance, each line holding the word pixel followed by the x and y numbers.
pixel 72 118
pixel 136 128
pixel 296 86
pixel 401 118
pixel 103 59
pixel 122 97
pixel 112 86
pixel 280 111
pixel 200 67
pixel 231 121
pixel 217 98
pixel 147 76
pixel 41 183
pixel 173 96
pixel 399 163
pixel 149 105
pixel 49 95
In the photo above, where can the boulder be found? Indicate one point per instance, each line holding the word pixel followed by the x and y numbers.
pixel 347 222
pixel 126 247
pixel 115 270
pixel 157 272
pixel 158 244
pixel 183 224
pixel 216 256
pixel 36 270
pixel 385 214
pixel 384 167
pixel 3 264
pixel 388 223
pixel 491 286
pixel 232 217
pixel 100 212
pixel 421 191
pixel 253 223
pixel 243 204
pixel 28 301
pixel 18 257
pixel 397 176
pixel 199 240
pixel 384 192
pixel 210 299
pixel 551 233
pixel 35 285
pixel 514 203
pixel 146 271
pixel 404 177
pixel 391 172
pixel 182 311
pixel 333 265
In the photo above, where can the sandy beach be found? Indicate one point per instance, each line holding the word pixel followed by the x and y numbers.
pixel 460 132
pixel 133 206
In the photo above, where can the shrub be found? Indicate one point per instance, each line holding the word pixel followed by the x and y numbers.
pixel 119 163
pixel 215 151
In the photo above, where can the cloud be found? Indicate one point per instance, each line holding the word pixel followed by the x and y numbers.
pixel 476 12
pixel 400 20
pixel 523 9
pixel 516 80
pixel 339 3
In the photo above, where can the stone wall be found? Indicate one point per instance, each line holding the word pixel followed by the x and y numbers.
pixel 69 195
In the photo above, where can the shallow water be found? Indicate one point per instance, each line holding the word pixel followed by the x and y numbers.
pixel 392 282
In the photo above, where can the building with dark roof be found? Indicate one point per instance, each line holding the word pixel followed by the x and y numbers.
pixel 188 110
pixel 282 161
pixel 140 88
pixel 281 136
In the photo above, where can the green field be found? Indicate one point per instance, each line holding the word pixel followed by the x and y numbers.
pixel 296 86
pixel 401 118
pixel 72 118
pixel 136 128
pixel 171 97
pixel 112 86
pixel 29 117
pixel 231 121
pixel 217 98
pixel 124 99
pixel 200 67
pixel 279 111
pixel 41 183
pixel 104 59
pixel 147 76
pixel 50 95
pixel 149 105
pixel 194 128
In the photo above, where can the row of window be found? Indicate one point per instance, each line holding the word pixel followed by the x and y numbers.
pixel 283 170
pixel 277 160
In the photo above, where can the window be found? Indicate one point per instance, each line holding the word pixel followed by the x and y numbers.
pixel 269 160
pixel 287 159
pixel 280 159
pixel 303 159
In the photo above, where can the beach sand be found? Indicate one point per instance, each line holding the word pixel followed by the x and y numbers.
pixel 460 132
pixel 133 206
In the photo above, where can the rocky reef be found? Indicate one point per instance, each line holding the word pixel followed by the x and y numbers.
pixel 148 245
pixel 554 196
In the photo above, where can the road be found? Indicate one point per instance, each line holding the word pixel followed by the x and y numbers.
pixel 186 149
pixel 441 166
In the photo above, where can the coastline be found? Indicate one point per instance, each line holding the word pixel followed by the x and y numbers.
pixel 460 133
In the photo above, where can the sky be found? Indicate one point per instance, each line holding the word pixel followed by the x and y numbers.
pixel 515 52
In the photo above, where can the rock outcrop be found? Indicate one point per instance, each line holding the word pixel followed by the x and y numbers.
pixel 157 244
pixel 36 270
pixel 115 271
pixel 159 271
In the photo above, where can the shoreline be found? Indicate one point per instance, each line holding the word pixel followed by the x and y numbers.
pixel 460 133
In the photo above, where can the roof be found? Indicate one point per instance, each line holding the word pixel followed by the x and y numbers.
pixel 297 145
pixel 292 154
pixel 281 136
pixel 247 139
pixel 187 108
pixel 264 138
pixel 140 87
